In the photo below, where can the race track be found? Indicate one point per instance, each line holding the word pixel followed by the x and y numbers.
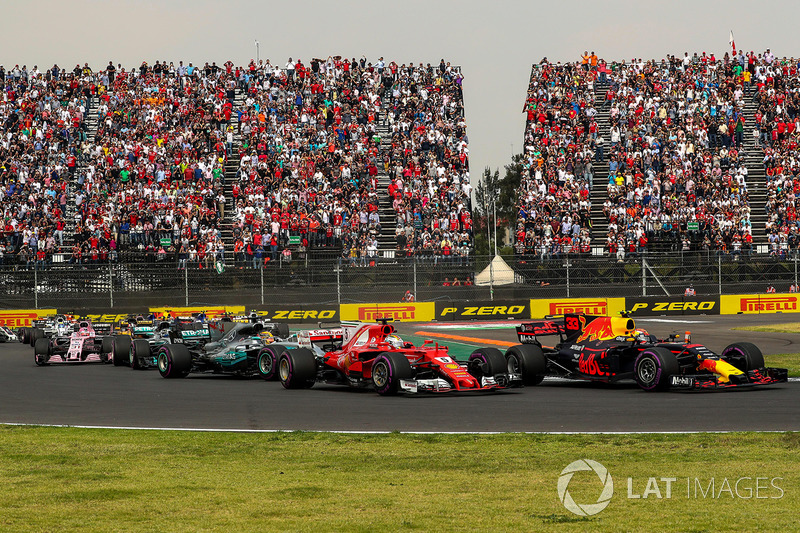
pixel 103 395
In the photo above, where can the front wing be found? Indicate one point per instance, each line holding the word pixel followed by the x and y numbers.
pixel 439 385
pixel 753 378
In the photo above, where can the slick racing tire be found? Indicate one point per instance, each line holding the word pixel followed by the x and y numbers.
pixel 107 350
pixel 281 331
pixel 42 352
pixel 297 369
pixel 139 348
pixel 267 362
pixel 35 335
pixel 744 356
pixel 528 360
pixel 120 349
pixel 486 362
pixel 654 367
pixel 23 335
pixel 387 371
pixel 174 361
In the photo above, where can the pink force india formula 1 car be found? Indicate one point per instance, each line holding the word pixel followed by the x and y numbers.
pixel 83 345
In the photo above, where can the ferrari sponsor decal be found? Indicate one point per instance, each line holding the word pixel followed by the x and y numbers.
pixel 16 318
pixel 758 303
pixel 587 306
pixel 480 310
pixel 647 306
pixel 210 311
pixel 411 312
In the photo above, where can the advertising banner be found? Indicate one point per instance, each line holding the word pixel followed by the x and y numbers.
pixel 588 306
pixel 676 305
pixel 17 318
pixel 482 310
pixel 403 312
pixel 211 311
pixel 759 303
pixel 299 313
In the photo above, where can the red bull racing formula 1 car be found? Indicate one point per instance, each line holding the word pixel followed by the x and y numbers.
pixel 373 355
pixel 610 349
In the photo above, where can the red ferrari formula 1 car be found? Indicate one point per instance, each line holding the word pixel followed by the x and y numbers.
pixel 609 349
pixel 373 355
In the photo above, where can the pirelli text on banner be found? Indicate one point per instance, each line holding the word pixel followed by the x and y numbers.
pixel 759 303
pixel 403 312
pixel 17 318
pixel 678 305
pixel 588 306
pixel 481 310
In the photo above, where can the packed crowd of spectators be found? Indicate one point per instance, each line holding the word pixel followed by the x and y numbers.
pixel 42 113
pixel 428 162
pixel 674 147
pixel 553 203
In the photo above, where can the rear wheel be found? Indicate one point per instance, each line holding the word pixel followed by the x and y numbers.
pixel 35 335
pixel 281 331
pixel 297 369
pixel 174 361
pixel 120 349
pixel 387 371
pixel 654 367
pixel 23 335
pixel 486 362
pixel 268 361
pixel 744 356
pixel 42 351
pixel 107 349
pixel 528 360
pixel 139 348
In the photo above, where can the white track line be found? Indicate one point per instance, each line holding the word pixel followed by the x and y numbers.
pixel 387 432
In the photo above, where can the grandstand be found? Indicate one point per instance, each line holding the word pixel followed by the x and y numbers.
pixel 662 155
pixel 242 164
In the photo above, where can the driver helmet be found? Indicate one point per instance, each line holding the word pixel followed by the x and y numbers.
pixel 394 340
pixel 266 337
pixel 641 335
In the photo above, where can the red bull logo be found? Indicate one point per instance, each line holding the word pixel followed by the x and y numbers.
pixel 605 328
pixel 589 307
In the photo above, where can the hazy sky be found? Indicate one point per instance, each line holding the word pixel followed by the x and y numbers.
pixel 495 42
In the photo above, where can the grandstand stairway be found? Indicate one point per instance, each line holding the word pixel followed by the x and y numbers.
pixel 91 121
pixel 386 239
pixel 599 192
pixel 231 171
pixel 753 156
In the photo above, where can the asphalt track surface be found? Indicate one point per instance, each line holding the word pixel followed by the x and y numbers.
pixel 103 395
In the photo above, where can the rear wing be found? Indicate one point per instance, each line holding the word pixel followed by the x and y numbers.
pixel 102 328
pixel 308 338
pixel 528 331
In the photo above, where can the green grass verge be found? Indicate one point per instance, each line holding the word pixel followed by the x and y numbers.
pixel 791 327
pixel 57 479
pixel 790 361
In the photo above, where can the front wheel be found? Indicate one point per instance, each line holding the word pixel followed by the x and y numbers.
pixel 486 362
pixel 42 351
pixel 387 371
pixel 297 369
pixel 654 368
pixel 744 356
pixel 174 361
pixel 268 361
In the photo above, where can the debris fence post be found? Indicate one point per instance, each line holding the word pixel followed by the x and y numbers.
pixel 567 265
pixel 719 274
pixel 261 271
pixel 338 269
pixel 110 285
pixel 35 288
pixel 186 285
pixel 644 276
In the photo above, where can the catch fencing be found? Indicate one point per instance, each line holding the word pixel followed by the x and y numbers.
pixel 322 280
